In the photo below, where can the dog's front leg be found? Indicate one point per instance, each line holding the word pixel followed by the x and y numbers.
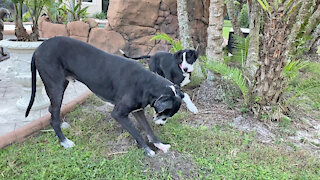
pixel 123 119
pixel 189 103
pixel 141 118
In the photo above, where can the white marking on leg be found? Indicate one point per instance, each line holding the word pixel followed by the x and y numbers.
pixel 186 79
pixel 189 103
pixel 163 147
pixel 67 143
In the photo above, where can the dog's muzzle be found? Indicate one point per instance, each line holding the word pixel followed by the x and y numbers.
pixel 159 119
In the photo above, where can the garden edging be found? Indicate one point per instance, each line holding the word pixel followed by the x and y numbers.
pixel 22 133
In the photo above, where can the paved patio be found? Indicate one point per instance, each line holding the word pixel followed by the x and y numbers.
pixel 11 117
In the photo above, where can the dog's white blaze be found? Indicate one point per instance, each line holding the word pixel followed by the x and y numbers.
pixel 174 90
pixel 163 147
pixel 67 143
pixel 186 79
pixel 185 64
pixel 189 103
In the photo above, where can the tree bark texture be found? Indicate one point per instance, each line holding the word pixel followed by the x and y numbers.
pixel 233 17
pixel 184 27
pixel 302 16
pixel 215 39
pixel 269 86
pixel 252 63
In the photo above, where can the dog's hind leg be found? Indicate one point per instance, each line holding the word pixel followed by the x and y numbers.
pixel 141 118
pixel 121 114
pixel 55 91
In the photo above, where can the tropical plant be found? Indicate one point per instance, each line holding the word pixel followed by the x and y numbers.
pixel 77 12
pixel 54 12
pixel 243 17
pixel 34 7
pixel 176 44
pixel 240 49
pixel 233 74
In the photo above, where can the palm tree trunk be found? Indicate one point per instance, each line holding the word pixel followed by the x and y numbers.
pixel 215 39
pixel 252 63
pixel 269 85
pixel 233 17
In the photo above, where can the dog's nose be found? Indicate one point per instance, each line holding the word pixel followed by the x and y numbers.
pixel 185 69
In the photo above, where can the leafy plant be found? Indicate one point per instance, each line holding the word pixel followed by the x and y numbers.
pixel 176 44
pixel 240 49
pixel 54 12
pixel 76 11
pixel 243 17
pixel 291 69
pixel 232 74
pixel 35 7
pixel 101 15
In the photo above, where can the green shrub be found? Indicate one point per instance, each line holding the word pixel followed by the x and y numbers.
pixel 243 17
pixel 101 15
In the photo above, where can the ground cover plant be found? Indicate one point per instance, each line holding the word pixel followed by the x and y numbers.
pixel 199 151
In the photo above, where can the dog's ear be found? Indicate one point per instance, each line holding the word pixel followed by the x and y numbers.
pixel 163 103
pixel 179 56
pixel 196 54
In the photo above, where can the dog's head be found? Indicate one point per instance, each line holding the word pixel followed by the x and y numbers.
pixel 167 104
pixel 186 58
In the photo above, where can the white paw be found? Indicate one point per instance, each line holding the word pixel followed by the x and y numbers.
pixel 192 108
pixel 67 143
pixel 163 147
pixel 149 152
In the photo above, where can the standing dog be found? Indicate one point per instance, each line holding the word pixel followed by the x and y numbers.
pixel 121 81
pixel 174 67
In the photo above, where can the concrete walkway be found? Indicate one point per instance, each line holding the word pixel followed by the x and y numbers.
pixel 11 117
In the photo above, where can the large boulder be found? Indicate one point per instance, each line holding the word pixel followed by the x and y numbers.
pixel 49 30
pixel 133 12
pixel 109 41
pixel 78 30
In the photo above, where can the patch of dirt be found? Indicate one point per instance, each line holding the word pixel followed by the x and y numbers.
pixel 180 166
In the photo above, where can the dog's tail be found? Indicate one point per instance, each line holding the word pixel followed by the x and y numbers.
pixel 33 86
pixel 135 58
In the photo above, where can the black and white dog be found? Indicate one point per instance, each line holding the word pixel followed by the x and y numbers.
pixel 174 67
pixel 121 81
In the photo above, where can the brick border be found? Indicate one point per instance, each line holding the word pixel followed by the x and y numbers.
pixel 20 134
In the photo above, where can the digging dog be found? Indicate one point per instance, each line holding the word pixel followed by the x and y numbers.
pixel 116 79
pixel 174 67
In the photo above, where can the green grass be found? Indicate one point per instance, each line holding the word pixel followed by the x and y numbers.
pixel 226 28
pixel 217 153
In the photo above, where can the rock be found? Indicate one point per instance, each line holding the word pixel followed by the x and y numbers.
pixel 144 41
pixel 92 23
pixel 134 32
pixel 134 12
pixel 78 30
pixel 49 30
pixel 109 41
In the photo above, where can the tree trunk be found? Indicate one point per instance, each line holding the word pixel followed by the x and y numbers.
pixel 269 85
pixel 302 16
pixel 184 28
pixel 233 17
pixel 20 31
pixel 197 75
pixel 252 63
pixel 215 39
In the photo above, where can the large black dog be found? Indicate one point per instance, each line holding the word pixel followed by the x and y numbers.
pixel 175 67
pixel 121 81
